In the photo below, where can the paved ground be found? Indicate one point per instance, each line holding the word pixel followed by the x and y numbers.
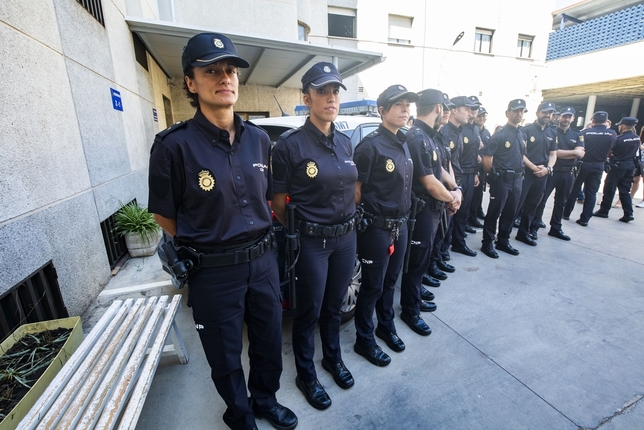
pixel 551 339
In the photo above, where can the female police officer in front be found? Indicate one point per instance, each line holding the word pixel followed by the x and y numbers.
pixel 209 186
pixel 313 166
pixel 384 189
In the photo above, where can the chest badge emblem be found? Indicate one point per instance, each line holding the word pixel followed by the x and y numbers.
pixel 466 140
pixel 206 181
pixel 532 139
pixel 435 157
pixel 507 144
pixel 451 145
pixel 389 165
pixel 581 138
pixel 311 169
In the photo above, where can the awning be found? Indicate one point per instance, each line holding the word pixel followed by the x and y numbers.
pixel 616 91
pixel 274 62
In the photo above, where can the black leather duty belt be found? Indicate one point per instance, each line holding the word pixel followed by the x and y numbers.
pixel 314 229
pixel 388 223
pixel 471 171
pixel 563 168
pixel 234 256
pixel 510 174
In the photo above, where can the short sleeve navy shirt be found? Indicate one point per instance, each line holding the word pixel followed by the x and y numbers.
pixel 507 146
pixel 539 143
pixel 454 138
pixel 317 172
pixel 385 170
pixel 568 140
pixel 626 147
pixel 599 141
pixel 471 143
pixel 217 192
pixel 424 154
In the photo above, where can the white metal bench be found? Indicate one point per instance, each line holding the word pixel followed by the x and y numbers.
pixel 105 382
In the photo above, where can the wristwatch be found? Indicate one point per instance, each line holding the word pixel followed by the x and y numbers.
pixel 458 187
pixel 549 170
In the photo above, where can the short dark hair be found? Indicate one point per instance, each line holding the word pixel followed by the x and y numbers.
pixel 423 110
pixel 193 97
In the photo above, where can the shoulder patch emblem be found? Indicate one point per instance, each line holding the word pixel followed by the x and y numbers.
pixel 532 139
pixel 507 144
pixel 466 140
pixel 311 169
pixel 451 144
pixel 206 181
pixel 389 165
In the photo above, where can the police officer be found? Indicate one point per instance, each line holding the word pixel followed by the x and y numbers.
pixel 384 189
pixel 469 179
pixel 476 208
pixel 570 149
pixel 432 186
pixel 313 165
pixel 209 186
pixel 503 162
pixel 599 141
pixel 622 165
pixel 541 155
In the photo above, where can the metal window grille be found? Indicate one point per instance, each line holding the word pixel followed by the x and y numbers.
pixel 114 242
pixel 95 8
pixel 35 299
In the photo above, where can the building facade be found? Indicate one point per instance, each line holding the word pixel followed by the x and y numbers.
pixel 88 83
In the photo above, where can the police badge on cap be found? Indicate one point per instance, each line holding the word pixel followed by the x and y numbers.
pixel 204 49
pixel 321 74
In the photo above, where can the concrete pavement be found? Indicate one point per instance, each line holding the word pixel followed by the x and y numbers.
pixel 550 339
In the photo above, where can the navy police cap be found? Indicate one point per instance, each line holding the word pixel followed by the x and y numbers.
pixel 600 116
pixel 517 104
pixel 628 120
pixel 459 101
pixel 207 48
pixel 475 100
pixel 447 104
pixel 568 111
pixel 396 92
pixel 547 107
pixel 430 97
pixel 482 111
pixel 321 74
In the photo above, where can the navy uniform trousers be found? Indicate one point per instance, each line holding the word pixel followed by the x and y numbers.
pixel 504 199
pixel 461 216
pixel 590 176
pixel 421 246
pixel 531 195
pixel 380 272
pixel 561 182
pixel 324 269
pixel 222 298
pixel 477 201
pixel 620 177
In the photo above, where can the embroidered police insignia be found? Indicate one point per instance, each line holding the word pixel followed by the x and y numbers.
pixel 311 169
pixel 451 145
pixel 389 165
pixel 327 69
pixel 532 139
pixel 507 144
pixel 218 44
pixel 466 140
pixel 435 157
pixel 206 181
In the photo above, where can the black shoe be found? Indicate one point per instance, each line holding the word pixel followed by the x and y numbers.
pixel 445 267
pixel 374 354
pixel 517 223
pixel 427 306
pixel 425 294
pixel 470 230
pixel 435 272
pixel 314 393
pixel 566 217
pixel 391 339
pixel 480 215
pixel 488 250
pixel 340 373
pixel 534 235
pixel 476 223
pixel 445 256
pixel 627 218
pixel 430 282
pixel 416 323
pixel 542 224
pixel 279 416
pixel 506 247
pixel 522 238
pixel 559 234
pixel 582 223
pixel 465 251
pixel 600 214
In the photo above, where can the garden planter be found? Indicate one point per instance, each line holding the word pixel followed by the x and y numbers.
pixel 75 338
pixel 142 247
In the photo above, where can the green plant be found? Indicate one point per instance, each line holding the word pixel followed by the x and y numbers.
pixel 132 218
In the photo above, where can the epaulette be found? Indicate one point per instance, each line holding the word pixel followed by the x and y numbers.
pixel 173 127
pixel 287 133
pixel 253 124
pixel 372 135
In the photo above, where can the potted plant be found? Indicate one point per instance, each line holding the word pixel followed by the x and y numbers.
pixel 141 231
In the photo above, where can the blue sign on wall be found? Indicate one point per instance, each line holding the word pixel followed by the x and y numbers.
pixel 154 114
pixel 117 104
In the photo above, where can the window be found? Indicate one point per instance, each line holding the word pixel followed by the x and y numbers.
pixel 483 40
pixel 95 8
pixel 524 46
pixel 302 31
pixel 400 29
pixel 140 53
pixel 342 22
